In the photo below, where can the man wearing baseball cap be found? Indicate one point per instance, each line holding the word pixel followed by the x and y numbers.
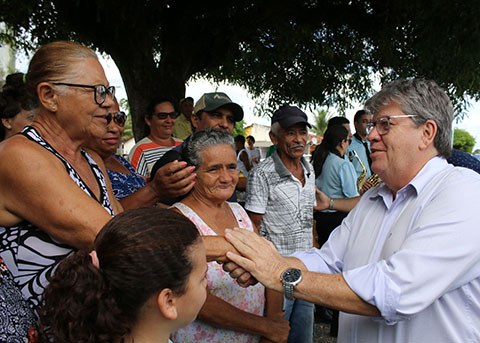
pixel 280 200
pixel 212 110
pixel 216 110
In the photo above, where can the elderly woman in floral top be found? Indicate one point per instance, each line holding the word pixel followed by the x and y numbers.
pixel 231 313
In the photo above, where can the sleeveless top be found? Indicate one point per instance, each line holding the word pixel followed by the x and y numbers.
pixel 125 184
pixel 30 253
pixel 220 284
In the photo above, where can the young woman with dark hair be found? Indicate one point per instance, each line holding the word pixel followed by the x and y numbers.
pixel 144 278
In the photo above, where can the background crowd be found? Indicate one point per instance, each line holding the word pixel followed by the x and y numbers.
pixel 101 247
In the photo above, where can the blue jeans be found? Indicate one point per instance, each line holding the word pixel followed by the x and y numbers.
pixel 300 315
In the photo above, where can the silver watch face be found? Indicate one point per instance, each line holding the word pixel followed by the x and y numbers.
pixel 291 275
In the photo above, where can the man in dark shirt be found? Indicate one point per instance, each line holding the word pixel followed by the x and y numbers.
pixel 212 110
pixel 463 159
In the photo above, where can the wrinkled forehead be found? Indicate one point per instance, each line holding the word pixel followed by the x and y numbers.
pixel 87 70
pixel 216 153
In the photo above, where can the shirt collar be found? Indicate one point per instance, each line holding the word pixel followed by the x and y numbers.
pixel 426 174
pixel 282 170
pixel 358 138
pixel 420 181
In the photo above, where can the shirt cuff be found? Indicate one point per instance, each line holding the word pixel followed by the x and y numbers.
pixel 371 284
pixel 312 261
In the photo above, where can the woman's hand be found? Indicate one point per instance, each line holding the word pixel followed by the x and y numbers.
pixel 243 278
pixel 279 330
pixel 323 201
pixel 173 180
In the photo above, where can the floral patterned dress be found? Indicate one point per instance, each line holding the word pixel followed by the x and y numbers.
pixel 220 284
pixel 17 320
pixel 124 184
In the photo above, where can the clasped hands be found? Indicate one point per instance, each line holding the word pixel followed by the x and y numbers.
pixel 256 260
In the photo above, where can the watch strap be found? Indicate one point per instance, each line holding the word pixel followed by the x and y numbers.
pixel 288 291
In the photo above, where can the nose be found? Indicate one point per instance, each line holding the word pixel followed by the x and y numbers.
pixel 373 135
pixel 113 127
pixel 298 137
pixel 108 103
pixel 226 175
pixel 223 122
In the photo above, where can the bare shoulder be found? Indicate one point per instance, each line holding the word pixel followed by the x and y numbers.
pixel 18 154
pixel 24 165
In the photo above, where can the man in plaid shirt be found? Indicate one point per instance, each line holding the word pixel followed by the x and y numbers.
pixel 280 201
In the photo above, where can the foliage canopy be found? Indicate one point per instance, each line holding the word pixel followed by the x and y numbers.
pixel 298 51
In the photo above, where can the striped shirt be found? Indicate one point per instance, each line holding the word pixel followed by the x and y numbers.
pixel 145 153
pixel 286 205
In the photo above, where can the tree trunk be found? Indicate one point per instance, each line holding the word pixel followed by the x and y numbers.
pixel 144 82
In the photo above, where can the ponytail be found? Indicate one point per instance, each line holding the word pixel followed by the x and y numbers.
pixel 80 307
pixel 332 137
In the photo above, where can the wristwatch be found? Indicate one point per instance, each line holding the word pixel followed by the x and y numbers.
pixel 290 278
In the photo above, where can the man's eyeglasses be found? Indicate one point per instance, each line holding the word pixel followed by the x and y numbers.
pixel 164 115
pixel 100 94
pixel 118 117
pixel 382 124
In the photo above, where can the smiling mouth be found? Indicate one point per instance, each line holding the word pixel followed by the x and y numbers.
pixel 116 139
pixel 374 152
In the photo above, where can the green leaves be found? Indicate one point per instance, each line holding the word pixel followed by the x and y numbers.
pixel 311 53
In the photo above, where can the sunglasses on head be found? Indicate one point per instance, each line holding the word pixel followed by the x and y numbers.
pixel 164 115
pixel 118 117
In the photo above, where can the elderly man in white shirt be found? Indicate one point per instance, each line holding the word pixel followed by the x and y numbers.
pixel 404 266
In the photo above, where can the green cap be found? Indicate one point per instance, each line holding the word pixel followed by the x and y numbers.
pixel 212 101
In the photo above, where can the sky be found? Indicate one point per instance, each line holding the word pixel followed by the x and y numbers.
pixel 470 123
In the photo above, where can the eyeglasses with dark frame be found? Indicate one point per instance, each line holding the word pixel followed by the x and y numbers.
pixel 382 124
pixel 118 117
pixel 164 115
pixel 100 91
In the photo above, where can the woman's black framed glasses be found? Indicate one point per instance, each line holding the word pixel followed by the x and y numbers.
pixel 100 94
pixel 118 117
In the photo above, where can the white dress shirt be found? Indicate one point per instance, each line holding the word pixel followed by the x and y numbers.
pixel 416 258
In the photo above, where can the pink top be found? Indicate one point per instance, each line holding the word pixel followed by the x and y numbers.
pixel 220 284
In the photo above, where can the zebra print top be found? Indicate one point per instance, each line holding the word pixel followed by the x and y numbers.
pixel 31 254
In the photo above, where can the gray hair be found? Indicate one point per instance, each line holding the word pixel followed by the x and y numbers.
pixel 201 140
pixel 275 128
pixel 423 98
pixel 56 61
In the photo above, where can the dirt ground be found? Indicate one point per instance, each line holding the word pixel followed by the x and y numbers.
pixel 321 334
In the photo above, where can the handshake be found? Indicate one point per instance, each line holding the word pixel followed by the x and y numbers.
pixel 248 258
